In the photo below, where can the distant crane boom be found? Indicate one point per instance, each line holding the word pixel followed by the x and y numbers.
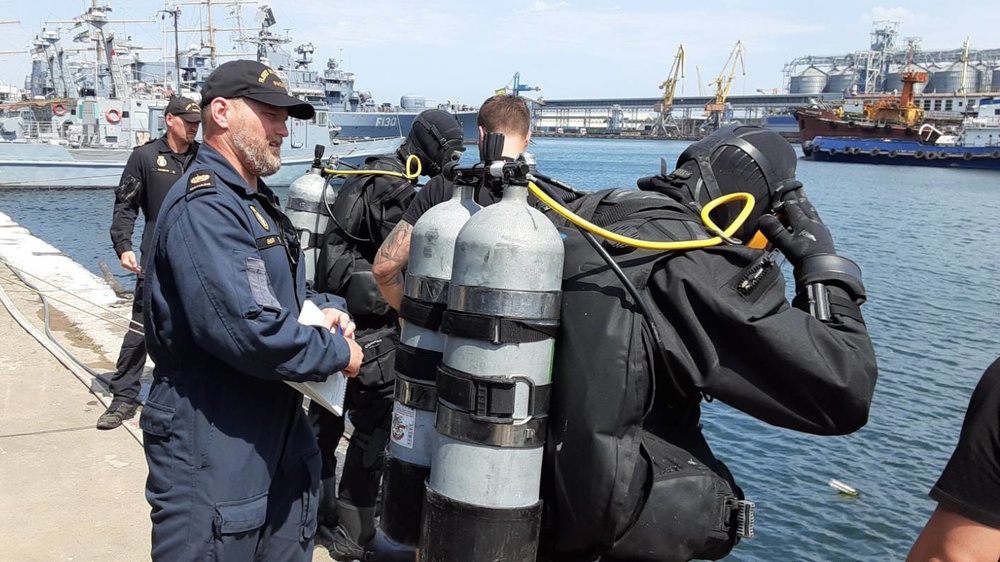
pixel 724 82
pixel 701 85
pixel 665 124
pixel 669 86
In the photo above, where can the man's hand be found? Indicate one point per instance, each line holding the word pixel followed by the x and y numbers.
pixel 129 262
pixel 808 236
pixel 334 319
pixel 357 356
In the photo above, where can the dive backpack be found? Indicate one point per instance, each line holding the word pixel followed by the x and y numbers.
pixel 612 488
pixel 366 210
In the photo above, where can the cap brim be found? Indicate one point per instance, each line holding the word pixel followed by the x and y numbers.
pixel 190 117
pixel 296 107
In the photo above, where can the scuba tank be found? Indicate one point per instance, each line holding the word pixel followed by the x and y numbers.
pixel 482 497
pixel 425 296
pixel 308 207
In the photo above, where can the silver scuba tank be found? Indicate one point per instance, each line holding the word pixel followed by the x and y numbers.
pixel 425 296
pixel 308 208
pixel 482 496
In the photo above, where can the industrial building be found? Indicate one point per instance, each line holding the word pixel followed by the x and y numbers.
pixel 957 80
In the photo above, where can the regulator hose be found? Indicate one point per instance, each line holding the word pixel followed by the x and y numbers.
pixel 413 170
pixel 722 236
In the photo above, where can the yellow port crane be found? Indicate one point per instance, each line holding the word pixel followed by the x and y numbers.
pixel 665 124
pixel 716 110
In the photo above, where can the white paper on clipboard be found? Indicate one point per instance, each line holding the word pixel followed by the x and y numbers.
pixel 329 393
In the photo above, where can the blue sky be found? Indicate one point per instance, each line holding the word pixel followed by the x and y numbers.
pixel 460 51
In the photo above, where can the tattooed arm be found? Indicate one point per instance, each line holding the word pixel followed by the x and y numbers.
pixel 390 263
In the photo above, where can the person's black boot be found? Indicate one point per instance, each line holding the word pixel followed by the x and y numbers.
pixel 117 412
pixel 356 526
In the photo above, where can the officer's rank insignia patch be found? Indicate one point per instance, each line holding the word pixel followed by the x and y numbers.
pixel 260 218
pixel 161 161
pixel 199 181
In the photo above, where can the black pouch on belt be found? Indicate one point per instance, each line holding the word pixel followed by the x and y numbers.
pixel 378 367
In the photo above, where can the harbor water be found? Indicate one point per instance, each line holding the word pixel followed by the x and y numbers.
pixel 926 240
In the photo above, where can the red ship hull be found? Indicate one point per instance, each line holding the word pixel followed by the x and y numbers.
pixel 824 123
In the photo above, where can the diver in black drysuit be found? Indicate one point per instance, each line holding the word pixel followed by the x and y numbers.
pixel 625 410
pixel 366 210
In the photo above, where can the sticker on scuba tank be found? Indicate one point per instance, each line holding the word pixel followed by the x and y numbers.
pixel 404 419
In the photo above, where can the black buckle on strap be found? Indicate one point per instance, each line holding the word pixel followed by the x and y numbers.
pixel 489 399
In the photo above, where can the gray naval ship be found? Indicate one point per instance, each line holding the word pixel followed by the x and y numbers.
pixel 85 116
pixel 354 114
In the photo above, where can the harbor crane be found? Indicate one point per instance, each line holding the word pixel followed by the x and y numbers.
pixel 716 110
pixel 665 124
pixel 515 87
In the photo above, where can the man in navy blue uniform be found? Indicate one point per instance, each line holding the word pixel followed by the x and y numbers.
pixel 151 170
pixel 233 462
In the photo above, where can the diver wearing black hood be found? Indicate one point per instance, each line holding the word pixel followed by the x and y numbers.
pixel 628 474
pixel 367 208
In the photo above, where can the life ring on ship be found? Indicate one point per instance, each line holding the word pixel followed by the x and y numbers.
pixel 893 153
pixel 833 152
pixel 113 115
pixel 875 152
pixel 59 110
pixel 919 155
pixel 995 154
pixel 967 156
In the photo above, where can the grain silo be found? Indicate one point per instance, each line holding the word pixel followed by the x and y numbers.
pixel 894 79
pixel 810 81
pixel 955 77
pixel 840 80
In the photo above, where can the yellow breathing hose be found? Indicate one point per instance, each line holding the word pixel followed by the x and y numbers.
pixel 413 170
pixel 649 245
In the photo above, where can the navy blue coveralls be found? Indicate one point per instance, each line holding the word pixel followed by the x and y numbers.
pixel 233 462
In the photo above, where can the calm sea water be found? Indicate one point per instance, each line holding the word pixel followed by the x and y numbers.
pixel 927 242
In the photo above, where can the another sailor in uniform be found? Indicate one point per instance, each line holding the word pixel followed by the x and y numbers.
pixel 151 170
pixel 233 462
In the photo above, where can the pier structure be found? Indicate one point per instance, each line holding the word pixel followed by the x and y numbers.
pixel 638 116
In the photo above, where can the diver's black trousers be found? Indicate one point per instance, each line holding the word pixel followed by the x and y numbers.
pixel 370 413
pixel 125 384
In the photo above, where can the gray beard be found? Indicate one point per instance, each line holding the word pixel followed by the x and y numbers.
pixel 254 153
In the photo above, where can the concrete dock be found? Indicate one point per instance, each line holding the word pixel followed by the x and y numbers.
pixel 67 490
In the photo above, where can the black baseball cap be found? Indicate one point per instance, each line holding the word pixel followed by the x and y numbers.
pixel 185 108
pixel 256 81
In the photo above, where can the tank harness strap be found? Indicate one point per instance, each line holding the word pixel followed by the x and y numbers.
pixel 488 400
pixel 423 314
pixel 416 363
pixel 497 329
pixel 300 204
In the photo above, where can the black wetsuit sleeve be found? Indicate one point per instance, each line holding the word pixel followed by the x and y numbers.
pixel 744 344
pixel 129 196
pixel 436 191
pixel 970 483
